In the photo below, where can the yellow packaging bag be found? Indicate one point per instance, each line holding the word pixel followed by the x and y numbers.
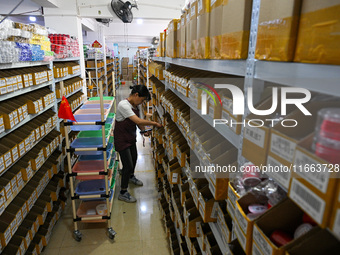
pixel 277 30
pixel 319 32
pixel 203 20
pixel 236 28
pixel 215 29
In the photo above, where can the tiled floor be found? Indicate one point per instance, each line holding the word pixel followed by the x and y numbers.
pixel 139 226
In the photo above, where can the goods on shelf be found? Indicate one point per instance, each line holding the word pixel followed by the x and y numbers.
pixel 64 46
pixel 23 42
pixel 235 29
pixel 20 141
pixel 192 31
pixel 215 29
pixel 203 24
pixel 62 69
pixel 75 100
pixel 171 42
pixel 70 86
pixel 327 138
pixel 320 21
pixel 277 30
pixel 183 39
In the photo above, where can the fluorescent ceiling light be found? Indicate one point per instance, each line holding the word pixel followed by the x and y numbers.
pixel 33 19
pixel 139 21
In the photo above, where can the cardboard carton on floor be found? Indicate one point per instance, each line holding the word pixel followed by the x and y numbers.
pixel 277 30
pixel 318 36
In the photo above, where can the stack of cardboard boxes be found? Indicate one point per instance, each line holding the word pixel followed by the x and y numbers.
pixel 125 68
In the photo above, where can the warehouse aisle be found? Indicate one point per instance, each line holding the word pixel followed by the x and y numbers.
pixel 139 226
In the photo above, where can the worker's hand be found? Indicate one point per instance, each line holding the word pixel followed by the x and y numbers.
pixel 159 125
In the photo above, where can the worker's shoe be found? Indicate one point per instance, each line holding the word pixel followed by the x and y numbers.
pixel 135 181
pixel 127 197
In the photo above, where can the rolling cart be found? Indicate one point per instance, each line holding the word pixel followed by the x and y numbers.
pixel 92 178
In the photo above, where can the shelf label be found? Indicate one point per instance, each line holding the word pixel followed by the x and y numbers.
pixel 264 246
pixel 282 147
pixel 200 5
pixel 255 135
pixel 281 177
pixel 241 220
pixel 242 239
pixel 318 179
pixel 307 200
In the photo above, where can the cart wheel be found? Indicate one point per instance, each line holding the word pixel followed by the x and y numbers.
pixel 111 233
pixel 77 235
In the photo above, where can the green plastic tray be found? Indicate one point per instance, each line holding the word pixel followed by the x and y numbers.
pixel 111 115
pixel 94 133
pixel 98 98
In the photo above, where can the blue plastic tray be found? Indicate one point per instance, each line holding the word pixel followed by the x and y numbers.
pixel 91 127
pixel 95 106
pixel 92 187
pixel 94 142
pixel 98 157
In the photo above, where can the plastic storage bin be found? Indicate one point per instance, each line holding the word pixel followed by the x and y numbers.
pixel 88 209
pixel 91 187
pixel 98 98
pixel 94 133
pixel 95 106
pixel 89 166
pixel 93 142
pixel 99 157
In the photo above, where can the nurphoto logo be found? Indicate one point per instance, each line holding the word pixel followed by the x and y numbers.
pixel 239 107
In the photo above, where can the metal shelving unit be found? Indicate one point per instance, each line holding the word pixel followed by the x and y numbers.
pixel 23 64
pixel 226 132
pixel 28 118
pixel 70 76
pixel 232 67
pixel 20 92
pixel 70 94
pixel 66 59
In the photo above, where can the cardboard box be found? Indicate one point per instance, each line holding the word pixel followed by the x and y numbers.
pixel 182 37
pixel 319 20
pixel 192 218
pixel 243 222
pixel 215 29
pixel 207 205
pixel 192 53
pixel 334 225
pixel 236 28
pixel 187 33
pixel 171 42
pixel 277 30
pixel 319 181
pixel 290 216
pixel 283 141
pixel 320 242
pixel 236 249
pixel 203 25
